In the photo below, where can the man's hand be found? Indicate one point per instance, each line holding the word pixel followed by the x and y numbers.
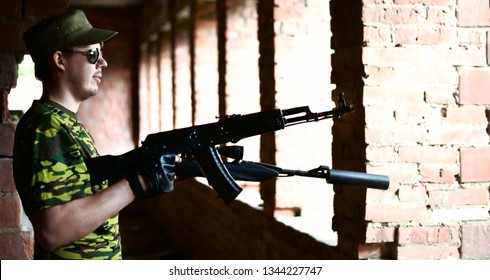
pixel 157 176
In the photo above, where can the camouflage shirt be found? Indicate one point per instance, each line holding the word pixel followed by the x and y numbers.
pixel 49 170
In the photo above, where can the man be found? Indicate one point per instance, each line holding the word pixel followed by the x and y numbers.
pixel 72 218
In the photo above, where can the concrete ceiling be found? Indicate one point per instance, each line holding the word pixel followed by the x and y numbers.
pixel 104 3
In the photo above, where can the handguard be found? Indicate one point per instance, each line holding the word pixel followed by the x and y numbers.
pixel 259 172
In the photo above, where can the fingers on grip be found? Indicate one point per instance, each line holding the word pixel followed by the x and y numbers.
pixel 160 175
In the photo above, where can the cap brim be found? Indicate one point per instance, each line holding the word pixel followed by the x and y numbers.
pixel 94 36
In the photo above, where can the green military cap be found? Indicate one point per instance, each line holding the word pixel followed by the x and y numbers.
pixel 56 32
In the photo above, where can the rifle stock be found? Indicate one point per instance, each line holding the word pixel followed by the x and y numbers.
pixel 199 141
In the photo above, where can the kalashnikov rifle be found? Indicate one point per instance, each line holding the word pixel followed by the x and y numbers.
pixel 200 141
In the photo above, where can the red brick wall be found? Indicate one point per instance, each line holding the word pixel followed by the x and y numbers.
pixel 16 237
pixel 421 73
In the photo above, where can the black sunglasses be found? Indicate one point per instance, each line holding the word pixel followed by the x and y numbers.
pixel 92 55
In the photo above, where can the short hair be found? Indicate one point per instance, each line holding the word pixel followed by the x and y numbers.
pixel 41 69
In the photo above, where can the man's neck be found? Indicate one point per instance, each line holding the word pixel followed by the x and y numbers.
pixel 64 99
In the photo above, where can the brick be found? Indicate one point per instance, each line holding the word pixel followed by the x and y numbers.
pixel 8 70
pixel 412 194
pixel 16 245
pixel 458 197
pixel 440 95
pixel 428 235
pixel 374 196
pixel 441 16
pixel 428 154
pixel 6 176
pixel 393 14
pixel 4 110
pixel 472 38
pixel 474 164
pixel 475 241
pixel 377 35
pixel 379 75
pixel 455 214
pixel 472 85
pixel 399 134
pixel 428 75
pixel 7 134
pixel 391 93
pixel 457 134
pixel 438 173
pixel 394 213
pixel 473 13
pixel 471 115
pixel 401 173
pixel 423 55
pixel 10 213
pixel 424 36
pixel 426 2
pixel 292 11
pixel 413 114
pixel 427 252
pixel 376 114
pixel 380 154
pixel 380 234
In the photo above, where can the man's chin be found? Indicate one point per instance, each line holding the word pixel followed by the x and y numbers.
pixel 90 94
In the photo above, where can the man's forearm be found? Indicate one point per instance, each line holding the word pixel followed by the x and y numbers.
pixel 69 222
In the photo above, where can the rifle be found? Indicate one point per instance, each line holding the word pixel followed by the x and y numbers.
pixel 199 142
pixel 242 170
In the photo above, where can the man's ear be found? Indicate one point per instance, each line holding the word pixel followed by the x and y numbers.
pixel 58 60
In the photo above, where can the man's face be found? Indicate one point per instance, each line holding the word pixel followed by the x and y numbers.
pixel 84 70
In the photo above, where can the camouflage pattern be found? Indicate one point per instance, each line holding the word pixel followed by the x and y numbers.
pixel 50 145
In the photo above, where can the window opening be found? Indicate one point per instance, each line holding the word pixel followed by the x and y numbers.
pixel 27 90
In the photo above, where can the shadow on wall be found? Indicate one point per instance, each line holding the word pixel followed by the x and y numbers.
pixel 190 223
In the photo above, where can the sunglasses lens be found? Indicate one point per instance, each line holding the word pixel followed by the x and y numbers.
pixel 93 56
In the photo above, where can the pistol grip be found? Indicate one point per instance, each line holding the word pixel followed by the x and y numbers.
pixel 216 173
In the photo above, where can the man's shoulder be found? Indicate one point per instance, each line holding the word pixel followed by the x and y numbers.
pixel 45 113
